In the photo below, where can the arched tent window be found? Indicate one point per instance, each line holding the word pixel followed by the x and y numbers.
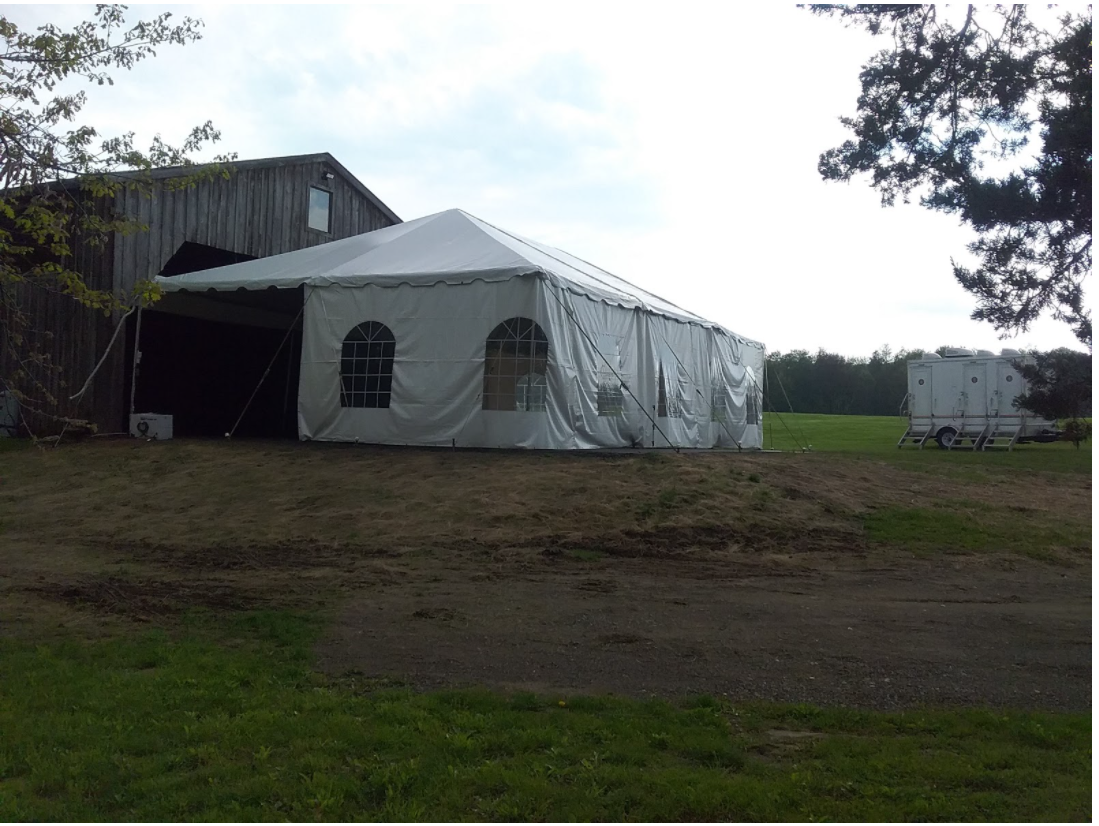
pixel 516 354
pixel 366 366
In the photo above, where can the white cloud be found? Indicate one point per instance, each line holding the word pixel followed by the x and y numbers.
pixel 676 149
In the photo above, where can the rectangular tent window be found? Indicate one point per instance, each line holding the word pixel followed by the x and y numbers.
pixel 719 404
pixel 320 213
pixel 609 396
pixel 754 402
pixel 669 394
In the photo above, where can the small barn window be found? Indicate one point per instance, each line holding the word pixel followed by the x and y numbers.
pixel 320 212
pixel 366 366
pixel 516 355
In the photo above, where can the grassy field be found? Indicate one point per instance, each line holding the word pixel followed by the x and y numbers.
pixel 161 604
pixel 877 437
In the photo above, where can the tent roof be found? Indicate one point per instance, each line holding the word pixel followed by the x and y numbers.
pixel 452 247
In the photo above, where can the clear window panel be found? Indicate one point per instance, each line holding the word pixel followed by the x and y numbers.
pixel 516 355
pixel 320 203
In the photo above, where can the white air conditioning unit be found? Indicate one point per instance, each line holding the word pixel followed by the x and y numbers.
pixel 151 425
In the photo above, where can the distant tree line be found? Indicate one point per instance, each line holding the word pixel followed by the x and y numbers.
pixel 804 382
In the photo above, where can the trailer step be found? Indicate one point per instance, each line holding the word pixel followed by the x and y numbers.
pixel 975 442
pixel 916 437
pixel 1003 437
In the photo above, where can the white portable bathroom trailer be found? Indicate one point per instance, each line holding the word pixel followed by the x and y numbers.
pixel 966 400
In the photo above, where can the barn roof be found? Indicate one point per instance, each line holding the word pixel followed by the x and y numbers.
pixel 165 172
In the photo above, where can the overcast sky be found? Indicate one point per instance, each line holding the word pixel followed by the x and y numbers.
pixel 677 150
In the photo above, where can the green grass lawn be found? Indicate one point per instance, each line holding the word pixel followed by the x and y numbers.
pixel 224 720
pixel 877 436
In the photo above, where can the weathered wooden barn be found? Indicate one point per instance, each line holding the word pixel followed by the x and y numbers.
pixel 264 207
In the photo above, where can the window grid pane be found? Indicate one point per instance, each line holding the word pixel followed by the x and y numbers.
pixel 719 405
pixel 366 366
pixel 516 355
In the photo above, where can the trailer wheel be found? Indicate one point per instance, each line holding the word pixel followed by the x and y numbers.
pixel 946 437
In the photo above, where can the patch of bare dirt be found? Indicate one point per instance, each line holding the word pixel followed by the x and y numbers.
pixel 741 575
pixel 248 557
pixel 144 599
pixel 878 633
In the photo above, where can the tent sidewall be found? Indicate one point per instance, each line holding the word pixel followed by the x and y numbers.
pixel 439 367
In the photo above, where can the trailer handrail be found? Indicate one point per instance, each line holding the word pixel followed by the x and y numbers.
pixel 902 411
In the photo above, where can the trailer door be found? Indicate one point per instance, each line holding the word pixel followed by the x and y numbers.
pixel 919 388
pixel 974 389
pixel 1009 384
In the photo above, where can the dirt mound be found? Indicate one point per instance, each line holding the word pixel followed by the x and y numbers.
pixel 295 555
pixel 670 541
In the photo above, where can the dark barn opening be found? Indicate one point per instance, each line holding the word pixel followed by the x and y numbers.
pixel 203 354
pixel 192 257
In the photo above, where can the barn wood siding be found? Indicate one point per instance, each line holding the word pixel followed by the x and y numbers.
pixel 78 336
pixel 258 211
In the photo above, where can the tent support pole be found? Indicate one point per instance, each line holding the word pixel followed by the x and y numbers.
pixel 289 370
pixel 804 449
pixel 584 332
pixel 270 364
pixel 787 397
pixel 137 361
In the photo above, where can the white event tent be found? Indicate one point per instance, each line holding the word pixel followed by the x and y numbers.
pixel 447 330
